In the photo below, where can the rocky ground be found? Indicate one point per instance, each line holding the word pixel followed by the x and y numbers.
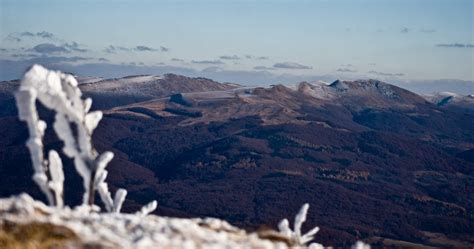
pixel 26 223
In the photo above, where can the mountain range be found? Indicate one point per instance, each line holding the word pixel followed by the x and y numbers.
pixel 375 161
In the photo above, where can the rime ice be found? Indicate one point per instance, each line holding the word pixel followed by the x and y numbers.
pixel 60 93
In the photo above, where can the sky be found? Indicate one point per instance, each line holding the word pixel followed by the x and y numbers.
pixel 247 42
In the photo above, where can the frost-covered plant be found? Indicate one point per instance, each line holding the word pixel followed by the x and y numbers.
pixel 295 235
pixel 360 245
pixel 301 240
pixel 74 125
pixel 147 209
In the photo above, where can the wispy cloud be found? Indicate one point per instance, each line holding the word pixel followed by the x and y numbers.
pixel 263 68
pixel 211 62
pixel 346 70
pixel 256 57
pixel 27 34
pixel 44 60
pixel 386 74
pixel 177 60
pixel 103 59
pixel 59 59
pixel 140 48
pixel 455 45
pixel 404 30
pixel 49 48
pixel 74 46
pixel 229 57
pixel 145 48
pixel 290 65
pixel 114 49
pixel 24 55
pixel 12 38
pixel 18 37
pixel 45 34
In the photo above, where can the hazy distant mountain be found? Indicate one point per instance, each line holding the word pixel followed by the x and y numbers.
pixel 131 89
pixel 374 160
pixel 463 87
pixel 108 93
pixel 449 99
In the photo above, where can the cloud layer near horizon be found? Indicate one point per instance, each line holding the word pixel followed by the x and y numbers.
pixel 14 69
pixel 50 50
pixel 290 65
pixel 455 45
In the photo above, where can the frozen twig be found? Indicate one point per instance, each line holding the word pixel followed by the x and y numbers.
pixel 147 209
pixel 295 234
pixel 74 125
pixel 59 92
pixel 57 177
pixel 360 245
pixel 119 199
pixel 26 103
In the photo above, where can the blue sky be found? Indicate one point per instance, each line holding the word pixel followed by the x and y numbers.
pixel 247 41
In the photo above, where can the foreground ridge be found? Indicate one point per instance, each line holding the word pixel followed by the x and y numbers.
pixel 129 230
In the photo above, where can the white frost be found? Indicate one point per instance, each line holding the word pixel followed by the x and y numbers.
pixel 360 245
pixel 119 199
pixel 57 176
pixel 60 92
pixel 147 209
pixel 295 234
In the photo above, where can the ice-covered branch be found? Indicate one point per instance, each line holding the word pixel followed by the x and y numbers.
pixel 360 245
pixel 119 199
pixel 60 92
pixel 74 125
pixel 295 234
pixel 27 112
pixel 57 176
pixel 147 209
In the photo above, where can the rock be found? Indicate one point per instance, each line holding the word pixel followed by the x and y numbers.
pixel 80 228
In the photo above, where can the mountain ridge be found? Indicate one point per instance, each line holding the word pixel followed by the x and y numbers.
pixel 374 160
pixel 146 87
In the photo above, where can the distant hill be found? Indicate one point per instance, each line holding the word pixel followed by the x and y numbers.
pixel 375 161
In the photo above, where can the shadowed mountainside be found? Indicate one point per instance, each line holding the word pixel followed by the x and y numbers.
pixel 375 161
